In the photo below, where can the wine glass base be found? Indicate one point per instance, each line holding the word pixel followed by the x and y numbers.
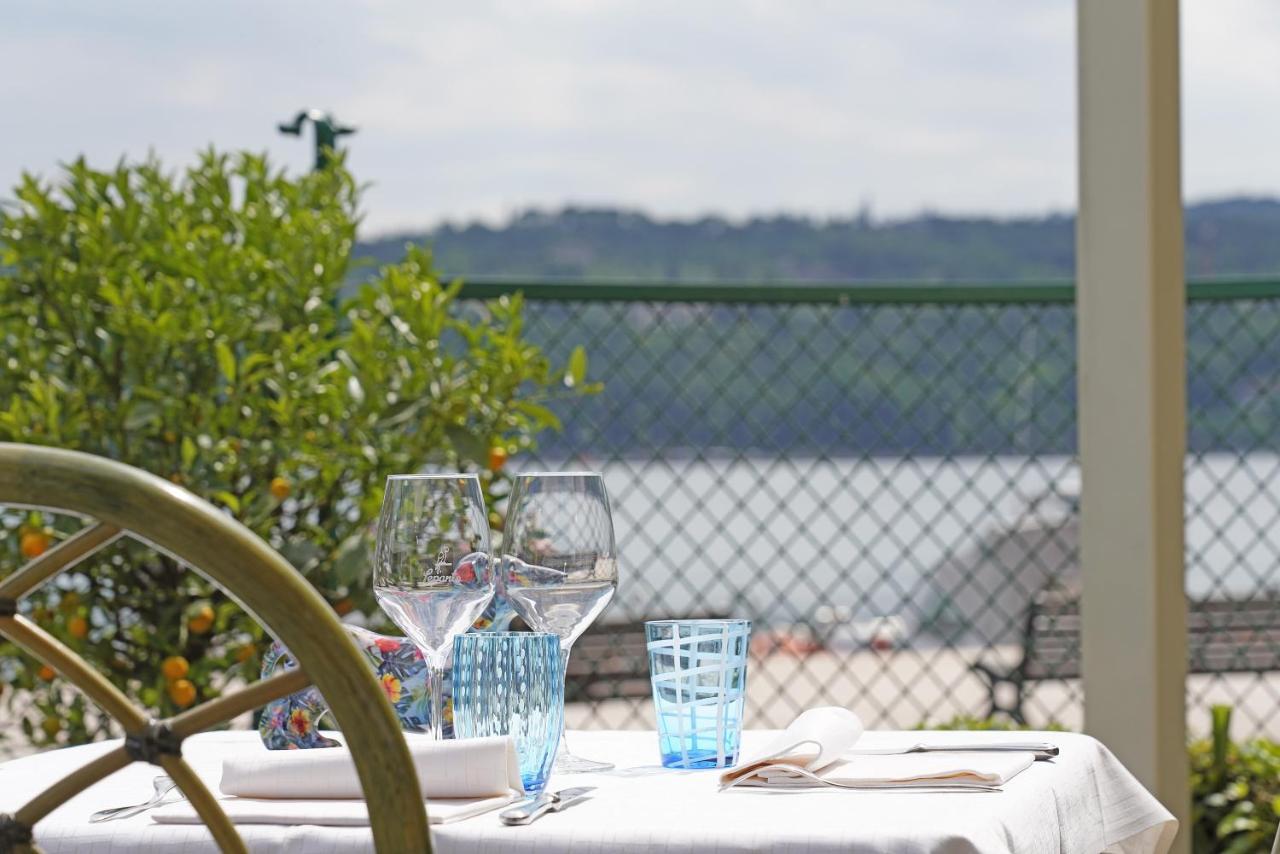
pixel 567 763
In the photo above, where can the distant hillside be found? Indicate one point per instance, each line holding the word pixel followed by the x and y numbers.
pixel 1228 237
pixel 869 380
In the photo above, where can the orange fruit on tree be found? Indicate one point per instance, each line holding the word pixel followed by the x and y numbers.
pixel 497 458
pixel 78 627
pixel 201 621
pixel 34 543
pixel 46 673
pixel 344 606
pixel 174 667
pixel 244 653
pixel 182 692
pixel 280 488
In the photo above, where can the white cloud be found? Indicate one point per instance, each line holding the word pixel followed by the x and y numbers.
pixel 679 108
pixel 1231 97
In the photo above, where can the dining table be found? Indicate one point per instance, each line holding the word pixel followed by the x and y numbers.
pixel 1083 801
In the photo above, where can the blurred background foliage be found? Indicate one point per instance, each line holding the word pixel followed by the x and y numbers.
pixel 195 325
pixel 1235 790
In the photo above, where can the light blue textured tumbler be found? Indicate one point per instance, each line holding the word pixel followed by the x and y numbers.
pixel 509 683
pixel 699 674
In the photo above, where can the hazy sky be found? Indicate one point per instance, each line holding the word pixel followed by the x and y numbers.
pixel 479 108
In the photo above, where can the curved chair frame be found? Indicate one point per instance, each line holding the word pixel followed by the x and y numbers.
pixel 126 501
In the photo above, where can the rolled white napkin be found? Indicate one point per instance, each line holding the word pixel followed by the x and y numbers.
pixel 453 768
pixel 816 751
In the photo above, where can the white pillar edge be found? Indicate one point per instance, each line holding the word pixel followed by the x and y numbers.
pixel 1131 337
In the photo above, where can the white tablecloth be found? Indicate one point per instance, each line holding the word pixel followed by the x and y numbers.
pixel 1085 802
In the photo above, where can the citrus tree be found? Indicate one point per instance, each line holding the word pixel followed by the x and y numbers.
pixel 202 326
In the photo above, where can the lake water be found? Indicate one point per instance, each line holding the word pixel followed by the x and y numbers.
pixel 777 539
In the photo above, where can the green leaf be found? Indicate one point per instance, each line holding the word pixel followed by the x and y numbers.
pixel 468 445
pixel 227 498
pixel 302 554
pixel 111 294
pixel 541 415
pixel 188 452
pixel 350 562
pixel 226 360
pixel 142 414
pixel 254 361
pixel 577 370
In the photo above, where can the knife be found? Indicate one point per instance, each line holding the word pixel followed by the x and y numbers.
pixel 1042 749
pixel 547 802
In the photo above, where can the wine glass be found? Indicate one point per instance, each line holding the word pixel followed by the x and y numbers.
pixel 559 565
pixel 432 573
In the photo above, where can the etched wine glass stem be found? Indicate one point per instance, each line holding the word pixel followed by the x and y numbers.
pixel 435 684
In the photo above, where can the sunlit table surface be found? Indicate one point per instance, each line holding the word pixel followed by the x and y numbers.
pixel 1084 801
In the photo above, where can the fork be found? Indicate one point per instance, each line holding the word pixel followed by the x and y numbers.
pixel 162 785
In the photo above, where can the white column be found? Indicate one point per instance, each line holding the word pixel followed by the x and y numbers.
pixel 1130 302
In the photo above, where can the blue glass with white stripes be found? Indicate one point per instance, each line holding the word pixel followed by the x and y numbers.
pixel 698 669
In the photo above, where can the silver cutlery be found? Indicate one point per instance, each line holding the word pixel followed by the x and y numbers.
pixel 163 787
pixel 1042 749
pixel 547 802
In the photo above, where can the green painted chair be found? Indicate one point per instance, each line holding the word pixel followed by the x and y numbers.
pixel 124 501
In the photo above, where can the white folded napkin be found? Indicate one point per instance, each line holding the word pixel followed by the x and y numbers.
pixel 816 751
pixel 328 813
pixel 453 768
pixel 459 777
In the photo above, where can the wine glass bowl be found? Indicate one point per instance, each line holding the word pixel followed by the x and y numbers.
pixel 559 568
pixel 432 571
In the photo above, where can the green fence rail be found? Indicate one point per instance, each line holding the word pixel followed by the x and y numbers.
pixel 838 293
pixel 882 476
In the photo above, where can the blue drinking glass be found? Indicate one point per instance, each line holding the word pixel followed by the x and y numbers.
pixel 699 674
pixel 509 683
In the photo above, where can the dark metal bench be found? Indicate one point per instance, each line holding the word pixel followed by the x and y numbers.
pixel 610 662
pixel 1223 636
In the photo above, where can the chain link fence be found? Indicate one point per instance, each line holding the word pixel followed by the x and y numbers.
pixel 883 479
pixel 1233 487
